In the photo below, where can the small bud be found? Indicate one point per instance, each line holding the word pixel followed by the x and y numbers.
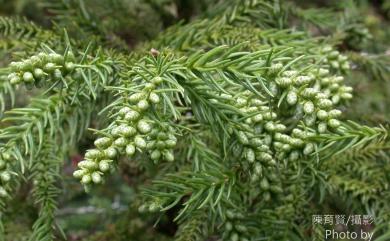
pixel 286 147
pixel 28 77
pixel 283 137
pixel 258 169
pixel 110 153
pixel 264 184
pixel 267 116
pixel 273 88
pixel 267 140
pixel 144 127
pixel 276 189
pixel 170 143
pixel 334 123
pixel 143 105
pixel 294 155
pixel 7 156
pixel 297 132
pixel 149 86
pixel 150 145
pixel 308 107
pixel 103 142
pixel 325 81
pixel 93 154
pixel 302 80
pixel 256 142
pixel 154 98
pixel 335 99
pixel 334 54
pixel 310 120
pixel 160 145
pixel 269 126
pixel 263 156
pixel 251 109
pixel 5 176
pixel 228 226
pixel 104 165
pixel 249 155
pixel 26 65
pixel 142 208
pixel 278 145
pixel 15 79
pixel 275 68
pixel 257 102
pixel 87 164
pixel 324 103
pixel 345 66
pixel 157 80
pixel 280 127
pixel 154 207
pixel 335 64
pixel 292 97
pixel 156 154
pixel 284 81
pixel 79 173
pixel 115 131
pixel 309 148
pixel 49 67
pixel 127 131
pixel 257 118
pixel 160 135
pixel 130 150
pixel 86 179
pixel 15 66
pixel 57 75
pixel 241 102
pixel 309 92
pixel 326 49
pixel 120 142
pixel 289 73
pixel 346 96
pixel 322 127
pixel 70 56
pixel 123 111
pixel 322 115
pixel 69 66
pixel 132 115
pixel 346 89
pixel 323 72
pixel 168 156
pixel 334 87
pixel 136 97
pixel 334 113
pixel 254 177
pixel 56 58
pixel 140 142
pixel 38 73
pixel 342 58
pixel 241 228
pixel 296 142
pixel 242 138
pixel 278 136
pixel 3 192
pixel 96 177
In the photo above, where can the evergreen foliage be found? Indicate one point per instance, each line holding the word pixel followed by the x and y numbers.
pixel 237 123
